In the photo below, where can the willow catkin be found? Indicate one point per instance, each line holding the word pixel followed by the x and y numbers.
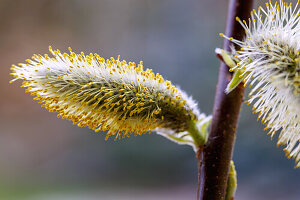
pixel 112 95
pixel 269 60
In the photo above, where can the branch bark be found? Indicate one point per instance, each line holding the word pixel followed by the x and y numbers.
pixel 217 153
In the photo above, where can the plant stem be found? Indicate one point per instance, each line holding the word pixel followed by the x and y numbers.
pixel 198 137
pixel 217 153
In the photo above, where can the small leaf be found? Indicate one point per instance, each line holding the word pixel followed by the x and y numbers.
pixel 226 56
pixel 231 183
pixel 237 78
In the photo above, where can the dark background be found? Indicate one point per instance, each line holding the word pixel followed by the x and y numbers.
pixel 43 158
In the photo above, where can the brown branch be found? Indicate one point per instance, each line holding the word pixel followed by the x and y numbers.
pixel 218 151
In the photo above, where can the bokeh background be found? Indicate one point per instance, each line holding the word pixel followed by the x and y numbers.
pixel 43 158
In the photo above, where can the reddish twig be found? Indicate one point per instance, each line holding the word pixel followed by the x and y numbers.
pixel 217 153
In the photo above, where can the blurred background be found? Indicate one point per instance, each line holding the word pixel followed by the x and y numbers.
pixel 43 158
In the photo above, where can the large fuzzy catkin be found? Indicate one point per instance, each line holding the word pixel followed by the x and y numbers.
pixel 268 58
pixel 106 95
